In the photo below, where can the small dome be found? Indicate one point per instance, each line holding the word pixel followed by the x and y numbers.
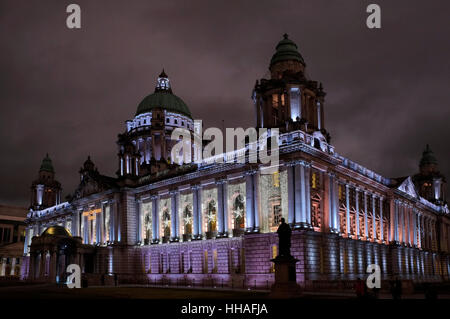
pixel 163 98
pixel 47 165
pixel 428 157
pixel 286 50
pixel 56 231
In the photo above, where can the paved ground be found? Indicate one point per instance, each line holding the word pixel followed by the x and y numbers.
pixel 142 292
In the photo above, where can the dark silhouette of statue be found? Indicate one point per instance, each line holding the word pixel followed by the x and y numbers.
pixel 284 238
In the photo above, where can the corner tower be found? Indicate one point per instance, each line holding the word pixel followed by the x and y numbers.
pixel 45 190
pixel 430 182
pixel 289 100
pixel 146 145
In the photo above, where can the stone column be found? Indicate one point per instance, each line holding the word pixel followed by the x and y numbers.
pixel 117 218
pixel 174 215
pixel 366 226
pixel 225 208
pixel 256 201
pixel 419 230
pixel 301 221
pixel 291 193
pixel 155 219
pixel 381 219
pixel 197 212
pixel 194 211
pixel 414 220
pixel 98 225
pixel 401 223
pixel 52 266
pixel 347 204
pixel 249 201
pixel 408 223
pixel 333 203
pixel 42 261
pixel 308 194
pixel 358 235
pixel 76 223
pixel 32 266
pixel 220 211
pixel 374 219
pixel 13 265
pixel 27 240
pixel 396 220
pixel 138 222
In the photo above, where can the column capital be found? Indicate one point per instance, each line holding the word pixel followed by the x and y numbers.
pixel 174 192
pixel 252 171
pixel 221 181
pixel 304 163
pixel 154 196
pixel 291 163
pixel 331 173
pixel 196 186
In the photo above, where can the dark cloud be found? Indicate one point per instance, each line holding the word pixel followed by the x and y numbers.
pixel 68 92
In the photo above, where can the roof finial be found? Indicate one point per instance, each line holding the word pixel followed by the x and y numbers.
pixel 163 83
pixel 163 74
pixel 285 35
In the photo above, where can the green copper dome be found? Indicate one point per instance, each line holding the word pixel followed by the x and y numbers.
pixel 286 50
pixel 163 98
pixel 428 157
pixel 56 231
pixel 47 165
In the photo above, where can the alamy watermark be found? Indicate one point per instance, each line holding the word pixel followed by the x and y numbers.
pixel 374 279
pixel 74 277
pixel 241 146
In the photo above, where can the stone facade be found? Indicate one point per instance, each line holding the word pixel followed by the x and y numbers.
pixel 214 223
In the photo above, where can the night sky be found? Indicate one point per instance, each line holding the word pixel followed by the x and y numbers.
pixel 69 92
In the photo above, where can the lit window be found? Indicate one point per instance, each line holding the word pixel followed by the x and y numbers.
pixel 275 100
pixel 314 180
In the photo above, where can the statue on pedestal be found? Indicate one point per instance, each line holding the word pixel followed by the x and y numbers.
pixel 284 239
pixel 285 285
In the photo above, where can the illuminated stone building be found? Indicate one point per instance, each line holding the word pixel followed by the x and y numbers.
pixel 216 221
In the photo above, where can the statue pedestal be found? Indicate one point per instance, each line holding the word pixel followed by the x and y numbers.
pixel 285 285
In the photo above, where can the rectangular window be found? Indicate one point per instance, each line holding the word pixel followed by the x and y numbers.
pixel 215 266
pixel 146 222
pixel 314 180
pixel 275 100
pixel 205 262
pixel 107 223
pixel 295 104
pixel 274 255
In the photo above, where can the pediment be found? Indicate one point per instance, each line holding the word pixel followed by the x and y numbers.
pixel 89 185
pixel 408 187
